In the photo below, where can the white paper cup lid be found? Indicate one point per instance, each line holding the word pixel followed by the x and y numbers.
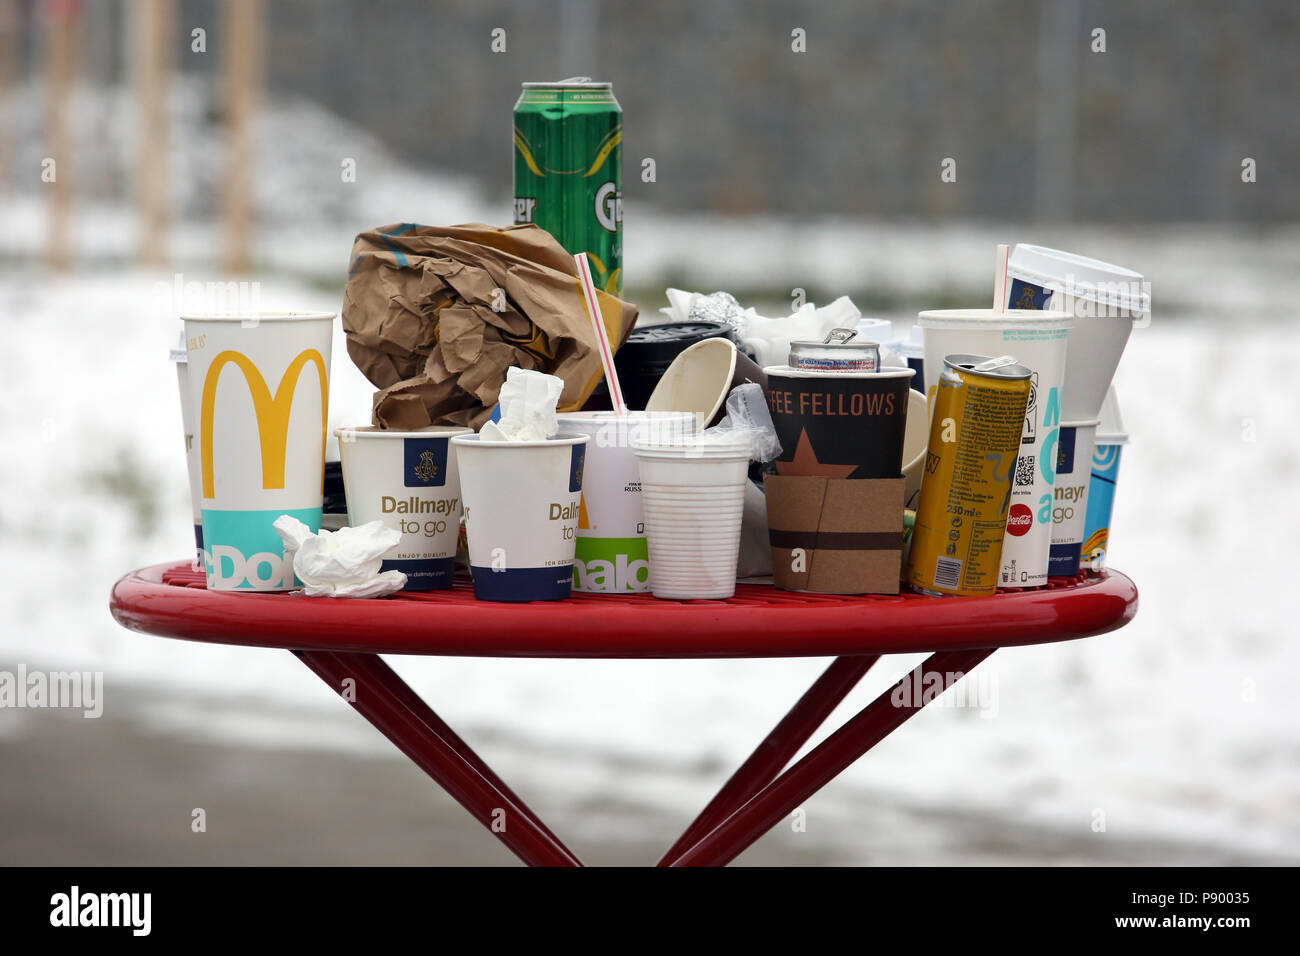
pixel 1079 276
pixel 969 319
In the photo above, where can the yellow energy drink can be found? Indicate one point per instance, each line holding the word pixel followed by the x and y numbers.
pixel 979 411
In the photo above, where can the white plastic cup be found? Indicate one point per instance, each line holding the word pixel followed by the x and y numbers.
pixel 259 386
pixel 522 503
pixel 1070 496
pixel 611 556
pixel 409 481
pixel 1106 301
pixel 181 362
pixel 693 493
pixel 1037 340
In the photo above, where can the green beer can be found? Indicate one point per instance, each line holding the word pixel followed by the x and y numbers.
pixel 569 170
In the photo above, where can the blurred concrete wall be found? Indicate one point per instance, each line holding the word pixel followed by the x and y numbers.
pixel 1040 125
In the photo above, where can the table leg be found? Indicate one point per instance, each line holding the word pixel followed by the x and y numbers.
pixel 771 756
pixel 385 700
pixel 826 761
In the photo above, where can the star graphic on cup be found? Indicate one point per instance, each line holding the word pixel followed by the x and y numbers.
pixel 805 462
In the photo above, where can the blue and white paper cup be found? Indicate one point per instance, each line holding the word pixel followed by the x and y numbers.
pixel 1070 496
pixel 522 506
pixel 259 388
pixel 409 481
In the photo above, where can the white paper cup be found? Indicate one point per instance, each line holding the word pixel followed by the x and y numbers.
pixel 181 361
pixel 1037 340
pixel 1070 496
pixel 611 556
pixel 701 377
pixel 1106 301
pixel 693 493
pixel 916 438
pixel 522 505
pixel 259 386
pixel 409 481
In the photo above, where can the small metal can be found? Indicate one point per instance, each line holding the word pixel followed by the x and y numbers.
pixel 569 170
pixel 838 353
pixel 961 517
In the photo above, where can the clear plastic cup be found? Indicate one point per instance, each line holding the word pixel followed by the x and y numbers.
pixel 693 493
pixel 611 555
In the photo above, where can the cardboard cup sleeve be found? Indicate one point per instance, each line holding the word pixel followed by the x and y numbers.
pixel 835 535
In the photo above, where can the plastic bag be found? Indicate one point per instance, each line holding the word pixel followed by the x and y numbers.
pixel 747 418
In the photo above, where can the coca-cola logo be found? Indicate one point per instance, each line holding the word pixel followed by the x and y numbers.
pixel 1019 520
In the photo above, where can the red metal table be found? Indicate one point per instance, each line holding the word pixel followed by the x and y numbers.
pixel 341 641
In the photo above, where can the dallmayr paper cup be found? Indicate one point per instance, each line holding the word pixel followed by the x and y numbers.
pixel 259 386
pixel 1106 302
pixel 1070 496
pixel 693 493
pixel 1111 437
pixel 522 505
pixel 611 556
pixel 1036 339
pixel 409 481
pixel 181 361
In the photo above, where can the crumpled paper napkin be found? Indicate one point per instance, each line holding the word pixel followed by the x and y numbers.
pixel 768 338
pixel 528 401
pixel 343 563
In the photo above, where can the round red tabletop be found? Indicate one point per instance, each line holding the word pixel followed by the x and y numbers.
pixel 760 621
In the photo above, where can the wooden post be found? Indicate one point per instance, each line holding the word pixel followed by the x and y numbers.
pixel 242 62
pixel 8 80
pixel 155 39
pixel 61 36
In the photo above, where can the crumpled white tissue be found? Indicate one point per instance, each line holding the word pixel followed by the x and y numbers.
pixel 343 563
pixel 527 401
pixel 770 338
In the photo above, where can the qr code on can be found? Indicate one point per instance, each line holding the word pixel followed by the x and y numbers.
pixel 1025 470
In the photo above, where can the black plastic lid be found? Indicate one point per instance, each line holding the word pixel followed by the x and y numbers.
pixel 653 344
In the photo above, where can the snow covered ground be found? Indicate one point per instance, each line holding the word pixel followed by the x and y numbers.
pixel 1178 730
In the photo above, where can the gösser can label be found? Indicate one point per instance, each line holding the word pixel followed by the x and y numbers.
pixel 569 170
pixel 979 410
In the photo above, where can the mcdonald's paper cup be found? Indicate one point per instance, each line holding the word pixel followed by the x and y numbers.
pixel 259 383
pixel 409 481
pixel 611 554
pixel 1036 339
pixel 522 501
pixel 179 358
pixel 693 492
pixel 1106 301
pixel 1070 496
pixel 1111 437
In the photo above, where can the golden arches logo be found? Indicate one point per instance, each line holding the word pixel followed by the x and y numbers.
pixel 272 412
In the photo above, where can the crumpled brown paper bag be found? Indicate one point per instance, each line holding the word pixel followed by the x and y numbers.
pixel 435 315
